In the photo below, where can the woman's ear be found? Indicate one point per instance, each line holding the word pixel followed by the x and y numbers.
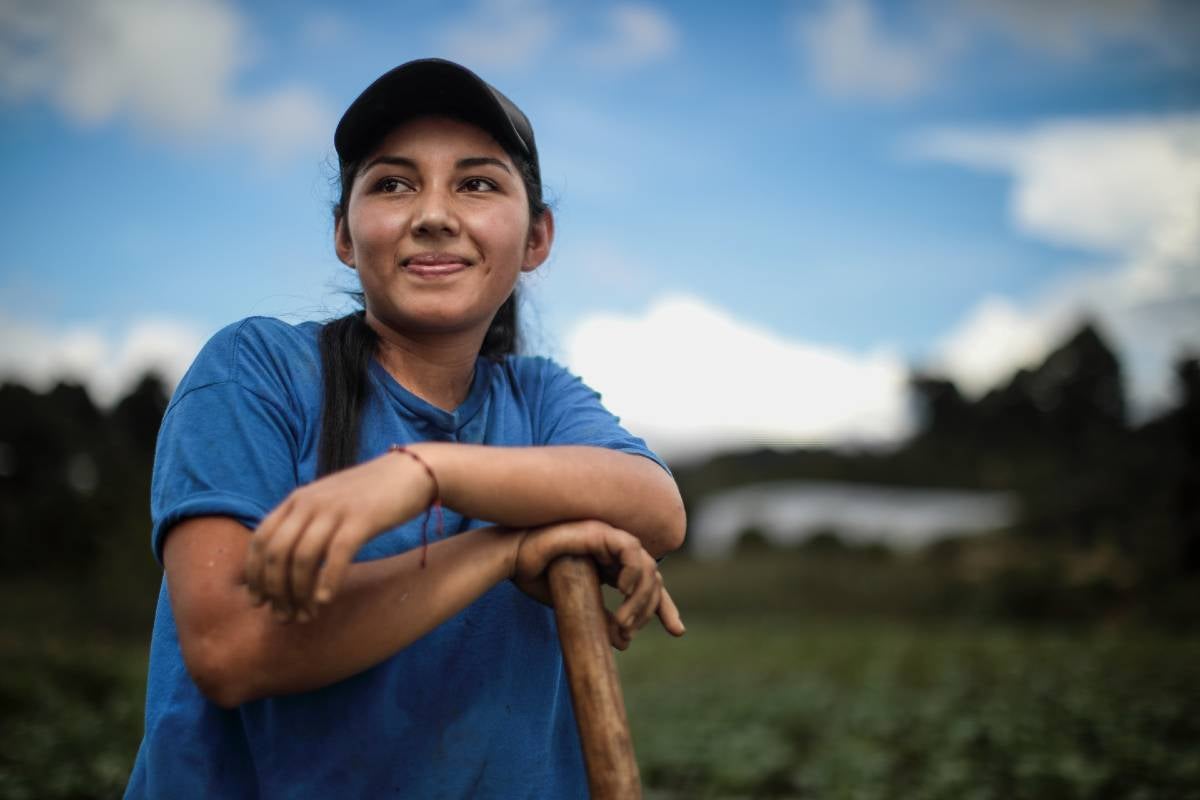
pixel 342 242
pixel 539 242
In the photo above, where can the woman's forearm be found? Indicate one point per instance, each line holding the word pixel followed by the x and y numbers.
pixel 237 651
pixel 529 486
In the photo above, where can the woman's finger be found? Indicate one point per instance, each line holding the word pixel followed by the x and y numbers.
pixel 276 563
pixel 343 544
pixel 258 543
pixel 668 613
pixel 307 556
pixel 253 570
pixel 639 588
pixel 617 636
pixel 637 608
pixel 630 576
pixel 646 612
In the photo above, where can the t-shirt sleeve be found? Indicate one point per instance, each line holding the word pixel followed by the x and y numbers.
pixel 229 441
pixel 571 413
pixel 222 451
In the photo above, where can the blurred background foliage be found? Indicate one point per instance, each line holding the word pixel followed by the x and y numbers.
pixel 1054 658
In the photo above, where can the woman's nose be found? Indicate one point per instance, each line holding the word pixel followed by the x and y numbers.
pixel 434 215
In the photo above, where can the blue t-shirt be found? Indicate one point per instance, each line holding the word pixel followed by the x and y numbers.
pixel 479 707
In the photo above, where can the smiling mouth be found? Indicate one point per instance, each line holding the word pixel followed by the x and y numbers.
pixel 432 265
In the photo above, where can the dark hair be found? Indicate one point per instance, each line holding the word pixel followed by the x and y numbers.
pixel 348 343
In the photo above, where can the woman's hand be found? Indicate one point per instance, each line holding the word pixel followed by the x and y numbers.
pixel 623 562
pixel 298 556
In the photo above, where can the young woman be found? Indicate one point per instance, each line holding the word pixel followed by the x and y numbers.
pixel 316 637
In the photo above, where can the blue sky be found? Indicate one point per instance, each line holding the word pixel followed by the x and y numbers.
pixel 767 212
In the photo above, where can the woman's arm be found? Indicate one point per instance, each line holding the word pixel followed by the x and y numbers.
pixel 302 549
pixel 528 486
pixel 237 651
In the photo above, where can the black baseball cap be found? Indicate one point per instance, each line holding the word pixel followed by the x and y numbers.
pixel 432 86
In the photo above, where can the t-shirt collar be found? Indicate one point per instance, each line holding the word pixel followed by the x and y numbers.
pixel 445 421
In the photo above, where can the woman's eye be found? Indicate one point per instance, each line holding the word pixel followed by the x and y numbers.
pixel 479 185
pixel 393 185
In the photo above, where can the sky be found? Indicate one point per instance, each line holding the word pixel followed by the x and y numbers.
pixel 768 214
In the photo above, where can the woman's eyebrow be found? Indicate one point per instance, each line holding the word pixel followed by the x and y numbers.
pixel 394 161
pixel 408 163
pixel 480 161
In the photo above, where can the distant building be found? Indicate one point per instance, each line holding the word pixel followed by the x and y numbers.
pixel 787 514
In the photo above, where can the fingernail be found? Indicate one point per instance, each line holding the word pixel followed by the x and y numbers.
pixel 323 595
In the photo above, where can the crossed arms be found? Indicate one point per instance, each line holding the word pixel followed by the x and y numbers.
pixel 284 610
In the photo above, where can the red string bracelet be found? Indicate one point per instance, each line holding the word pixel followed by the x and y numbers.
pixel 436 505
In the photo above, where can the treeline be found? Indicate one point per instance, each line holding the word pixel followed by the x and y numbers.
pixel 73 476
pixel 1058 436
pixel 74 497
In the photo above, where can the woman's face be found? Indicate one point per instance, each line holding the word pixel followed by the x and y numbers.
pixel 437 227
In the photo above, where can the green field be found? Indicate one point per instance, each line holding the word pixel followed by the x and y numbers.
pixel 772 708
pixel 799 677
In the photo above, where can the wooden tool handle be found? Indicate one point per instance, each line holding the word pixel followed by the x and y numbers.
pixel 595 686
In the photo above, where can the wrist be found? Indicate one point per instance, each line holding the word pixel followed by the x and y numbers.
pixel 434 506
pixel 516 538
pixel 418 465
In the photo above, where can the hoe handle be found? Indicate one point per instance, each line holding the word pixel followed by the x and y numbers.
pixel 595 686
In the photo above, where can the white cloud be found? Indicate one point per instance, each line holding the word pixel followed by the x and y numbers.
pixel 849 53
pixel 107 365
pixel 852 50
pixel 501 34
pixel 168 66
pixel 1077 30
pixel 1118 185
pixel 324 29
pixel 691 379
pixel 512 34
pixel 282 123
pixel 636 35
pixel 1126 189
